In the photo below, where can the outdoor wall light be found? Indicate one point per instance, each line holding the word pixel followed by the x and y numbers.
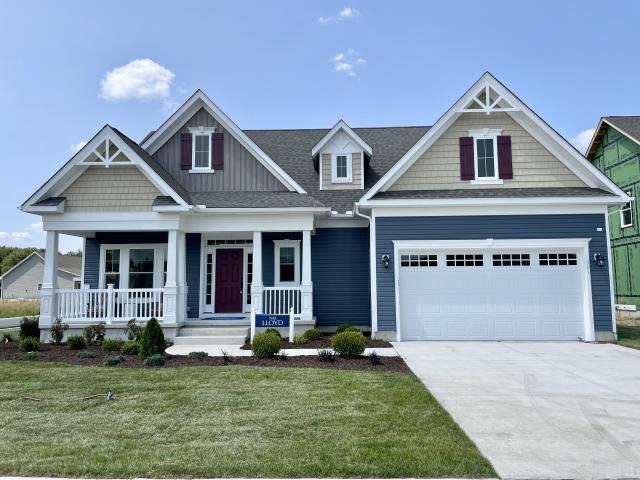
pixel 386 260
pixel 599 259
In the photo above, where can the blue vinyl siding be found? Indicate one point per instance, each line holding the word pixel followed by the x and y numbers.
pixel 193 274
pixel 268 253
pixel 498 227
pixel 340 274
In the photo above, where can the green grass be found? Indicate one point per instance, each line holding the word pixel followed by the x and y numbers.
pixel 629 336
pixel 225 422
pixel 25 308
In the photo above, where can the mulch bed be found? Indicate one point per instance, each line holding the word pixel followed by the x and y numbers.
pixel 62 354
pixel 325 342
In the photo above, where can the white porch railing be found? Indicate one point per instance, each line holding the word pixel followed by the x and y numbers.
pixel 280 300
pixel 109 304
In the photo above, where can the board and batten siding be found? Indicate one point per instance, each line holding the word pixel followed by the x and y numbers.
pixel 356 165
pixel 241 172
pixel 340 274
pixel 439 167
pixel 389 229
pixel 116 189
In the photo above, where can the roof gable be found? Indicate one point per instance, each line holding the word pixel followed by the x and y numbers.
pixel 71 264
pixel 488 95
pixel 331 135
pixel 627 125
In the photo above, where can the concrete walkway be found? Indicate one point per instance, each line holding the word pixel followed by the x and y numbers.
pixel 235 351
pixel 540 410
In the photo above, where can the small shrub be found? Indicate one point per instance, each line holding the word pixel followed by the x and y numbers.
pixel 57 330
pixel 110 346
pixel 265 345
pixel 226 358
pixel 374 359
pixel 129 348
pixel 353 329
pixel 343 327
pixel 326 355
pixel 30 344
pixel 112 360
pixel 198 354
pixel 273 331
pixel 82 355
pixel 94 334
pixel 76 342
pixel 32 356
pixel 313 334
pixel 349 344
pixel 155 360
pixel 29 328
pixel 133 330
pixel 299 340
pixel 282 356
pixel 152 341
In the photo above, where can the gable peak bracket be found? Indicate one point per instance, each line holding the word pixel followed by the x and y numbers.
pixel 489 101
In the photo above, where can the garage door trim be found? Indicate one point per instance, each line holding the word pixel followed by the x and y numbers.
pixel 581 245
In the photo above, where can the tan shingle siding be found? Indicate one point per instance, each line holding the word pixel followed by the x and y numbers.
pixel 356 161
pixel 115 189
pixel 533 165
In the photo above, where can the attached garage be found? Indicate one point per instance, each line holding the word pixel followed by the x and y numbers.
pixel 493 290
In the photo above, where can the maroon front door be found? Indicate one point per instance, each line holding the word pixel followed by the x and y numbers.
pixel 229 280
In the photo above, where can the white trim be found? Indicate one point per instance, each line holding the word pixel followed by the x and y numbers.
pixel 630 210
pixel 341 223
pixel 59 208
pixel 611 200
pixel 557 145
pixel 610 259
pixel 486 181
pixel 199 100
pixel 334 168
pixel 277 245
pixel 485 134
pixel 341 125
pixel 213 249
pixel 579 244
pixel 373 273
pixel 125 248
pixel 321 186
pixel 201 132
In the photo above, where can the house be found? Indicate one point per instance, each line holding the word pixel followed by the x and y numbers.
pixel 485 225
pixel 24 280
pixel 615 150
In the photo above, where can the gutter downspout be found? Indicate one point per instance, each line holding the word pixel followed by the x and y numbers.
pixel 372 269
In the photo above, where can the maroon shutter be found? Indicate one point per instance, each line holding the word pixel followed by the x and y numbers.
pixel 185 151
pixel 217 142
pixel 505 167
pixel 467 168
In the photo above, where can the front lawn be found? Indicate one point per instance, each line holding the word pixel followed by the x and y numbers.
pixel 226 421
pixel 629 336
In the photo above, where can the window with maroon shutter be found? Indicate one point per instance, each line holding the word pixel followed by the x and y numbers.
pixel 217 140
pixel 505 166
pixel 467 168
pixel 185 151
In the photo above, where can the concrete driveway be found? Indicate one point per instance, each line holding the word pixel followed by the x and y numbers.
pixel 539 410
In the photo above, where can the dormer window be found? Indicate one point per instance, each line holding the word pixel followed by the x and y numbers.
pixel 486 157
pixel 341 168
pixel 201 148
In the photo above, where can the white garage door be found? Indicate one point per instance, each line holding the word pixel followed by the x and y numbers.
pixel 490 295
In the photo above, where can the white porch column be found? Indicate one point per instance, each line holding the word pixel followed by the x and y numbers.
pixel 182 278
pixel 48 298
pixel 256 283
pixel 306 285
pixel 170 302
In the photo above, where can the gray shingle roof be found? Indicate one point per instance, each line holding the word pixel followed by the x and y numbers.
pixel 630 125
pixel 254 200
pixel 493 193
pixel 291 149
pixel 70 263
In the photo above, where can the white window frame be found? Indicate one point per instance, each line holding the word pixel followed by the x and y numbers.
pixel 624 208
pixel 486 134
pixel 334 168
pixel 277 245
pixel 158 261
pixel 201 132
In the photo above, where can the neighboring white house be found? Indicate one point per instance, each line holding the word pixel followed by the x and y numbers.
pixel 24 280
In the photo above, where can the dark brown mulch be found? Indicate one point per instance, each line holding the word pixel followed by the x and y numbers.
pixel 325 342
pixel 62 354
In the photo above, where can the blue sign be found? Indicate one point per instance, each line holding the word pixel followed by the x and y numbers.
pixel 263 320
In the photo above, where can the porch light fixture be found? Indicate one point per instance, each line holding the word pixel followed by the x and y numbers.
pixel 599 259
pixel 386 260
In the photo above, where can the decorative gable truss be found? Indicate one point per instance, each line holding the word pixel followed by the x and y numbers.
pixel 107 149
pixel 488 95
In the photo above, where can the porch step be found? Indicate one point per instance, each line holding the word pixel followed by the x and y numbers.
pixel 213 335
pixel 212 331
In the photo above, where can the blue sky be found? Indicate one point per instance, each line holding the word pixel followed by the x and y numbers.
pixel 66 69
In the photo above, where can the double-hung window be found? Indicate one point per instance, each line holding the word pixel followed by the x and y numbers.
pixel 341 168
pixel 201 148
pixel 287 262
pixel 485 153
pixel 626 212
pixel 111 273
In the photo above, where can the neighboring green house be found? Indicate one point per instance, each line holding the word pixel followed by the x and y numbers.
pixel 615 149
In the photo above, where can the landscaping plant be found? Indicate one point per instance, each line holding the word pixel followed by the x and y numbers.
pixel 85 355
pixel 130 348
pixel 110 346
pixel 226 358
pixel 343 327
pixel 29 327
pixel 155 360
pixel 326 355
pixel 112 360
pixel 76 342
pixel 198 354
pixel 299 340
pixel 133 330
pixel 57 330
pixel 273 331
pixel 94 334
pixel 313 334
pixel 349 344
pixel 32 355
pixel 265 345
pixel 30 344
pixel 374 359
pixel 152 341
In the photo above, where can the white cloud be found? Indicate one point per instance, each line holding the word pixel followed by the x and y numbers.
pixel 347 62
pixel 582 140
pixel 77 147
pixel 141 79
pixel 14 237
pixel 344 14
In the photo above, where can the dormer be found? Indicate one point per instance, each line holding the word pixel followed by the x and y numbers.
pixel 340 158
